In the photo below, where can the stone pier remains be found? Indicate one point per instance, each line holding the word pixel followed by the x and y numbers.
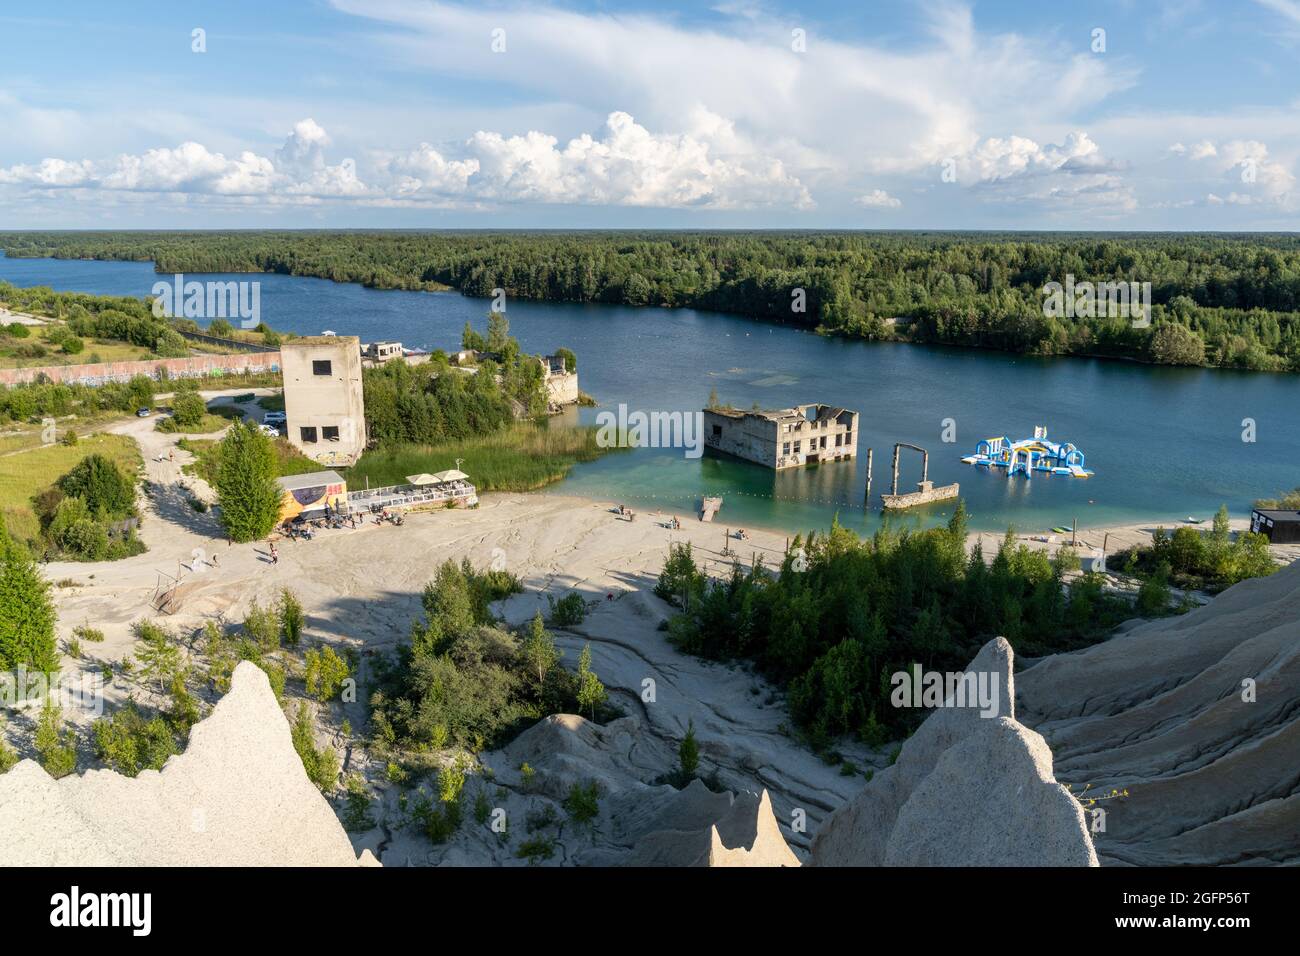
pixel 925 492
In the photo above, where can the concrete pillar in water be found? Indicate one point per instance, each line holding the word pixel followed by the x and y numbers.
pixel 866 501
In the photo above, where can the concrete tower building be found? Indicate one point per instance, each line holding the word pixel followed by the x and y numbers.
pixel 323 405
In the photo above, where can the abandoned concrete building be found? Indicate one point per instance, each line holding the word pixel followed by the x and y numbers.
pixel 324 410
pixel 783 438
pixel 561 384
pixel 375 354
pixel 380 352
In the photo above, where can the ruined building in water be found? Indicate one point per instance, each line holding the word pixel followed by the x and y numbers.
pixel 783 438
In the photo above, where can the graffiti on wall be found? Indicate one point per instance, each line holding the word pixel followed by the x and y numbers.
pixel 101 373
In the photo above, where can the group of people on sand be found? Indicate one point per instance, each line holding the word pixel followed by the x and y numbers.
pixel 626 512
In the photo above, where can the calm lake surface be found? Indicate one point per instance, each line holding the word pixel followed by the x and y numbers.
pixel 1165 443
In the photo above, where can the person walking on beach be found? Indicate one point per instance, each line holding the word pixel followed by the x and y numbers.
pixel 275 555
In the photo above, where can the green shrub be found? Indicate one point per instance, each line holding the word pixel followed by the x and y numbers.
pixel 104 487
pixel 158 654
pixel 54 743
pixel 1154 594
pixel 188 409
pixel 130 742
pixel 322 765
pixel 464 682
pixel 326 672
pixel 356 816
pixel 89 634
pixel 583 803
pixel 263 626
pixel 292 618
pixel 680 582
pixel 482 807
pixel 569 610
pixel 536 849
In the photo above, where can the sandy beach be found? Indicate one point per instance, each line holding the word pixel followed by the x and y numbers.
pixel 362 585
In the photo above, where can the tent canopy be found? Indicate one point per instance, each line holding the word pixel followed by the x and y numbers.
pixel 451 474
pixel 424 478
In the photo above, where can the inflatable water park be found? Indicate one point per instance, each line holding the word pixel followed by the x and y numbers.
pixel 1028 455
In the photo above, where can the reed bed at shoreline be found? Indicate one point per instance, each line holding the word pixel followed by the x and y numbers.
pixel 522 457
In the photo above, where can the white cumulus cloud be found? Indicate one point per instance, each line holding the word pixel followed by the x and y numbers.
pixel 878 199
pixel 627 165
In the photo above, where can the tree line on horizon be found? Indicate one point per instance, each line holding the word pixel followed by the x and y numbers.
pixel 1230 300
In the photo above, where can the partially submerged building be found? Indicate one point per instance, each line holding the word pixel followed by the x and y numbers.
pixel 325 415
pixel 783 438
pixel 561 384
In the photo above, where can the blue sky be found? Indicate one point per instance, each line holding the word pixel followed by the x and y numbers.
pixel 1183 114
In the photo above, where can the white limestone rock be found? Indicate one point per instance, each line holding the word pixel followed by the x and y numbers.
pixel 237 796
pixel 966 790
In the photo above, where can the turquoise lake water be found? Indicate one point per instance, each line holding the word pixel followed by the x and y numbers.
pixel 1165 443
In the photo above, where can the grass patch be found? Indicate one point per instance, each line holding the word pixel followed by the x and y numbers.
pixel 25 474
pixel 217 418
pixel 271 403
pixel 36 350
pixel 522 457
pixel 207 454
pixel 26 435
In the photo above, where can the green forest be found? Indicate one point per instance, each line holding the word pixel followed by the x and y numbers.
pixel 841 614
pixel 1217 299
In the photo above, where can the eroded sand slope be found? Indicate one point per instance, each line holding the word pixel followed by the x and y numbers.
pixel 1163 711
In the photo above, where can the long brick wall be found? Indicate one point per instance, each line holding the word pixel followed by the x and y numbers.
pixel 194 366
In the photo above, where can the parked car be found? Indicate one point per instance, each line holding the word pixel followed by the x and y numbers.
pixel 143 413
pixel 273 418
pixel 269 430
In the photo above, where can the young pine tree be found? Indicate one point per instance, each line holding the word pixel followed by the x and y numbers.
pixel 292 617
pixel 591 691
pixel 159 658
pixel 26 611
pixel 688 753
pixel 539 649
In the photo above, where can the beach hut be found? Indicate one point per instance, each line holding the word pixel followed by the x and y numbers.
pixel 1280 527
pixel 308 494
